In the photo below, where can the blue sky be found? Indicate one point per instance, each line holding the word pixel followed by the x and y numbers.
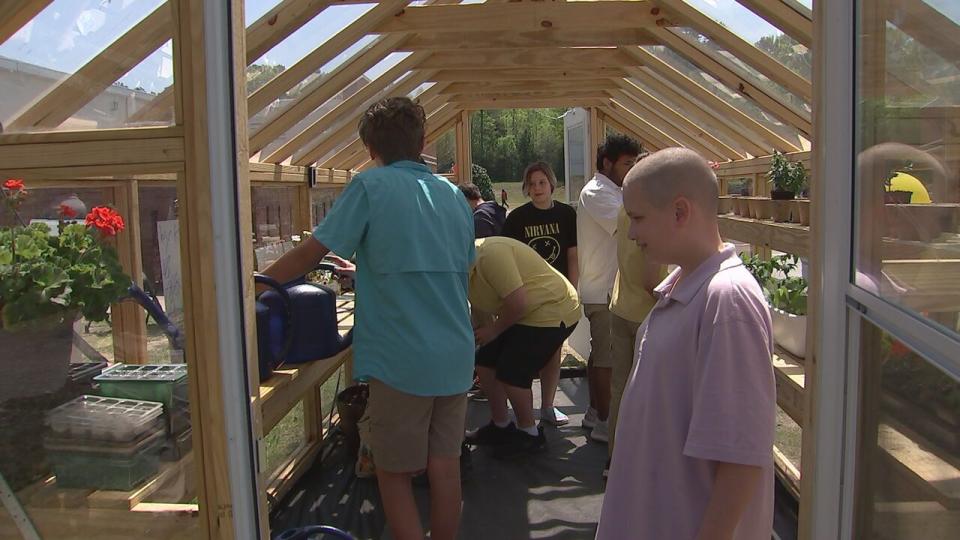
pixel 69 32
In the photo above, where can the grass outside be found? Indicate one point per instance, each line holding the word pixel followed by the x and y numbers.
pixel 515 197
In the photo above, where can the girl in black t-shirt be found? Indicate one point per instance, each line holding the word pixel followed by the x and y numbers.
pixel 550 228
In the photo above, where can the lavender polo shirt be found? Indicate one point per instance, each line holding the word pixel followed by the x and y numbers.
pixel 702 391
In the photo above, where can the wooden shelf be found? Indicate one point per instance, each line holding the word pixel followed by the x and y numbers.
pixel 785 237
pixel 789 377
pixel 287 386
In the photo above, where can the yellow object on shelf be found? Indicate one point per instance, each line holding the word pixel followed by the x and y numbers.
pixel 907 182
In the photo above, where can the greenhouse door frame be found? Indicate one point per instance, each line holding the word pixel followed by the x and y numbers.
pixel 830 460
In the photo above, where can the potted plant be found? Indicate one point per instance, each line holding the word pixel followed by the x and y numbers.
pixel 787 296
pixel 896 196
pixel 47 279
pixel 789 179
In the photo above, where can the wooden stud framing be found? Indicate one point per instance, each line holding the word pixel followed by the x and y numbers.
pixel 313 61
pixel 279 23
pixel 928 26
pixel 700 114
pixel 522 17
pixel 681 121
pixel 654 67
pixel 474 40
pixel 631 126
pixel 127 318
pixel 648 114
pixel 662 137
pixel 517 58
pixel 527 96
pixel 774 104
pixel 69 96
pixel 743 50
pixel 354 102
pixel 533 103
pixel 612 122
pixel 784 16
pixel 598 85
pixel 527 74
pixel 149 148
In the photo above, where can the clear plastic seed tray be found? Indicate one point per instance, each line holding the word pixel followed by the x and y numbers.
pixel 104 418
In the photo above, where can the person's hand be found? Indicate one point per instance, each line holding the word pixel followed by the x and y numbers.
pixel 343 265
pixel 484 334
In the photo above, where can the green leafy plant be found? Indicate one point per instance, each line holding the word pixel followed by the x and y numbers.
pixel 783 291
pixel 482 180
pixel 45 275
pixel 785 175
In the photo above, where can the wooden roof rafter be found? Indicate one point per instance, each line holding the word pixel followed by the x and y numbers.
pixel 795 21
pixel 719 125
pixel 748 53
pixel 651 116
pixel 655 68
pixel 682 122
pixel 604 115
pixel 346 127
pixel 557 58
pixel 774 104
pixel 18 13
pixel 528 74
pixel 527 86
pixel 641 124
pixel 652 137
pixel 503 39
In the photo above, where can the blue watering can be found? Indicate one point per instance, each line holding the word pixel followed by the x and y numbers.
pixel 296 323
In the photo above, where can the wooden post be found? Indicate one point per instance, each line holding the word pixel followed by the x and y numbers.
pixel 127 318
pixel 596 139
pixel 194 191
pixel 464 154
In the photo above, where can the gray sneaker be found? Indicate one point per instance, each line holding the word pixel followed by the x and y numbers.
pixel 554 416
pixel 600 432
pixel 590 419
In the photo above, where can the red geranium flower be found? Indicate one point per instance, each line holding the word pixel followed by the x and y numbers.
pixel 67 211
pixel 13 184
pixel 106 220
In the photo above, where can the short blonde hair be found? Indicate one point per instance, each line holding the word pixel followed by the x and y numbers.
pixel 543 167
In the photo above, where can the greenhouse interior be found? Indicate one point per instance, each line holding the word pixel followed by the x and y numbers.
pixel 157 154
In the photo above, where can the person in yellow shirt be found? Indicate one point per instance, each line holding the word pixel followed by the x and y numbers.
pixel 535 310
pixel 631 300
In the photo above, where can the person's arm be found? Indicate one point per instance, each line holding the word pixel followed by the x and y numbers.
pixel 734 486
pixel 296 262
pixel 511 311
pixel 573 266
pixel 603 207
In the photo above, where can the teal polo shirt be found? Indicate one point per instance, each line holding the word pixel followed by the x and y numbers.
pixel 412 234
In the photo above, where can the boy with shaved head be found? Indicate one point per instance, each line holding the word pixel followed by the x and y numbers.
pixel 693 458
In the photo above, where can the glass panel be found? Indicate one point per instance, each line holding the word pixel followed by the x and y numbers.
pixel 729 95
pixel 274 211
pixel 909 453
pixel 48 52
pixel 321 201
pixel 285 438
pixel 908 168
pixel 92 413
pixel 754 29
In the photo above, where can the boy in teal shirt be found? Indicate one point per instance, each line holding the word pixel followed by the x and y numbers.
pixel 412 234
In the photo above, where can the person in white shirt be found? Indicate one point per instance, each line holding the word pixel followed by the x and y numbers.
pixel 600 202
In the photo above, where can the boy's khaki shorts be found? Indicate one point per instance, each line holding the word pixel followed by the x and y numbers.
pixel 403 429
pixel 601 348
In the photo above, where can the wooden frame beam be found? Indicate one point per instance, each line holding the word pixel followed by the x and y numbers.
pixel 772 103
pixel 527 74
pixel 782 15
pixel 652 117
pixel 522 17
pixel 317 58
pixel 655 68
pixel 523 96
pixel 464 148
pixel 17 13
pixel 928 26
pixel 702 115
pixel 70 95
pixel 534 103
pixel 346 127
pixel 519 58
pixel 356 101
pixel 641 126
pixel 743 50
pixel 474 40
pixel 622 128
pixel 527 86
pixel 681 121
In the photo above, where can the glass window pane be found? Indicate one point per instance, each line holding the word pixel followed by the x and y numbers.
pixel 78 431
pixel 908 167
pixel 40 67
pixel 908 476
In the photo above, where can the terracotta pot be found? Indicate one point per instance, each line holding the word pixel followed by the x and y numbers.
pixel 802 206
pixel 725 205
pixel 741 206
pixel 897 197
pixel 760 208
pixel 36 358
pixel 790 331
pixel 780 210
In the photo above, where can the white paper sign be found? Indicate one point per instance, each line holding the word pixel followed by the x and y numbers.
pixel 168 237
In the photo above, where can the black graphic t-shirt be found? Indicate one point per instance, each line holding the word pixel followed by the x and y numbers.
pixel 549 232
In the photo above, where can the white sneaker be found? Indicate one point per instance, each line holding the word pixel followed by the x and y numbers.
pixel 554 416
pixel 600 432
pixel 590 419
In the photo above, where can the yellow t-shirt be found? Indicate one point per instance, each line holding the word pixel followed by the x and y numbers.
pixel 629 299
pixel 503 265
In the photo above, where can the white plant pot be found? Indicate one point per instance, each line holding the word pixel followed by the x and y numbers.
pixel 790 331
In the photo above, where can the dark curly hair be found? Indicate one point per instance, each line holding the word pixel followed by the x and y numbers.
pixel 393 129
pixel 617 145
